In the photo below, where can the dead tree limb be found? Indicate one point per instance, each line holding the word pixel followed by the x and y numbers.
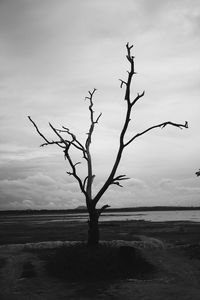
pixel 122 144
pixel 102 209
pixel 72 141
pixel 90 176
pixel 162 125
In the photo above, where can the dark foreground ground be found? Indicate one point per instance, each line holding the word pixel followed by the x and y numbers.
pixel 176 272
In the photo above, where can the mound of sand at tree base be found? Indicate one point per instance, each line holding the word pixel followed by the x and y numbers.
pixel 140 242
pixel 23 277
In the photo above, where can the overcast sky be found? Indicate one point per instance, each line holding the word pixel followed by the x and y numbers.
pixel 53 52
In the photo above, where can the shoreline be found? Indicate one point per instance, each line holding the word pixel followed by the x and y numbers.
pixel 110 210
pixel 175 232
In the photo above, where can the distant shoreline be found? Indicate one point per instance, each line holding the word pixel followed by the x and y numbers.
pixel 77 210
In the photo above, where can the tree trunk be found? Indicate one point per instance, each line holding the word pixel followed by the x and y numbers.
pixel 93 230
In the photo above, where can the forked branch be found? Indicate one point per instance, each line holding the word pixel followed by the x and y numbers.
pixel 74 172
pixel 119 178
pixel 63 142
pixel 69 141
pixel 74 141
pixel 44 138
pixel 93 121
pixel 102 209
pixel 122 143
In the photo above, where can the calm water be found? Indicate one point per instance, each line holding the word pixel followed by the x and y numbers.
pixel 155 216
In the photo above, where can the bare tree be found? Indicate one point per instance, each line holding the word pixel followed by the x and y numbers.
pixel 67 141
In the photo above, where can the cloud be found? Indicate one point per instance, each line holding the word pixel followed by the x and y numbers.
pixel 167 185
pixel 38 191
pixel 12 152
pixel 136 183
pixel 28 203
pixel 180 191
pixel 41 191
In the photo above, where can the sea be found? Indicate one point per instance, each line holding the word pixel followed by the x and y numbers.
pixel 153 216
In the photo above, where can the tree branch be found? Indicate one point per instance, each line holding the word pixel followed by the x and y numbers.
pixel 130 73
pixel 74 141
pixel 109 180
pixel 97 119
pixel 198 173
pixel 66 146
pixel 74 173
pixel 90 176
pixel 162 125
pixel 59 143
pixel 101 210
pixel 116 183
pixel 137 98
pixel 119 178
pixel 39 132
pixel 122 82
pixel 85 181
pixel 58 134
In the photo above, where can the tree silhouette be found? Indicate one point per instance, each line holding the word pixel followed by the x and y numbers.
pixel 67 141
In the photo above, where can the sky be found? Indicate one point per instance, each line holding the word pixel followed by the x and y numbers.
pixel 53 52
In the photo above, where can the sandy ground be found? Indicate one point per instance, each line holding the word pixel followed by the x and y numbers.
pixel 177 276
